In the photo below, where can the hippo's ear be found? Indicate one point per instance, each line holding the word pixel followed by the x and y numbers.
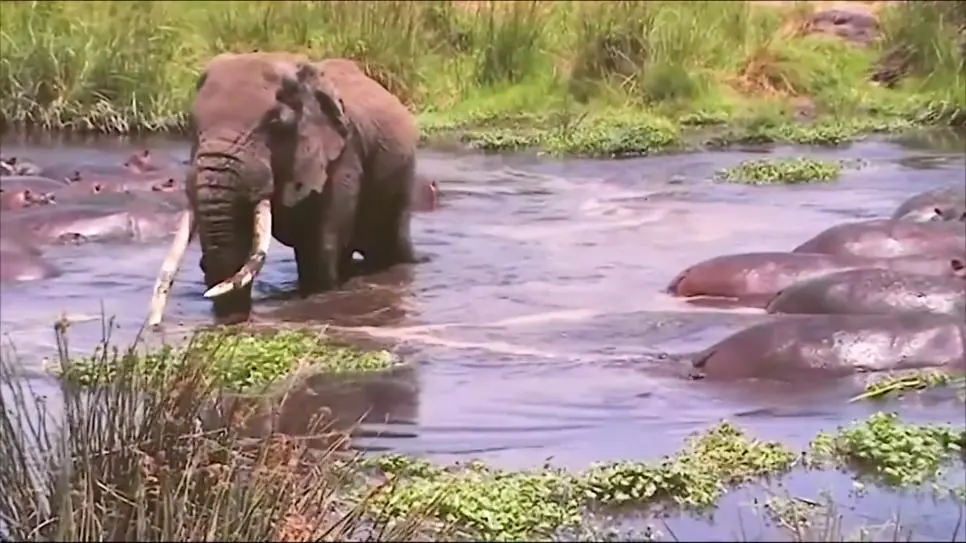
pixel 958 266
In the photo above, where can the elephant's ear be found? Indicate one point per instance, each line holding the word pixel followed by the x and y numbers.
pixel 331 106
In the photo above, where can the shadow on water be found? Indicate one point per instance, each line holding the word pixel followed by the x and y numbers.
pixel 536 328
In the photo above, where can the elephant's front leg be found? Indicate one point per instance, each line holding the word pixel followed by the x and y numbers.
pixel 323 255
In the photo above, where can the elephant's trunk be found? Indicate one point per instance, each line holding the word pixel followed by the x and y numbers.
pixel 234 235
pixel 224 218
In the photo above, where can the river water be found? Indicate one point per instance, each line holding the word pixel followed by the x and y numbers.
pixel 534 330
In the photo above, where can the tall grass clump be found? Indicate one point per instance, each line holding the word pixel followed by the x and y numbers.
pixel 119 67
pixel 128 460
pixel 924 49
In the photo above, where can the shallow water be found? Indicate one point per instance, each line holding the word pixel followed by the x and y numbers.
pixel 536 326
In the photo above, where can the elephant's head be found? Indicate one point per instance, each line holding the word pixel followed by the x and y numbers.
pixel 266 127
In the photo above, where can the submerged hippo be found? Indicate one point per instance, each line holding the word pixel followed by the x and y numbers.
pixel 85 185
pixel 77 223
pixel 22 262
pixel 798 347
pixel 19 199
pixel 947 203
pixel 32 182
pixel 426 194
pixel 15 166
pixel 887 238
pixel 869 291
pixel 145 161
pixel 754 278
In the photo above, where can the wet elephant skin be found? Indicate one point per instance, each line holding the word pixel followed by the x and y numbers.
pixel 887 238
pixel 873 291
pixel 797 348
pixel 754 278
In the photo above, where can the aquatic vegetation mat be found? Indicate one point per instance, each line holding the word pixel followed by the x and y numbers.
pixel 234 359
pixel 782 171
pixel 888 451
pixel 897 385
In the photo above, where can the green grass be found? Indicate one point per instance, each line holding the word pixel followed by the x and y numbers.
pixel 235 360
pixel 604 79
pixel 137 434
pixel 783 171
pixel 129 461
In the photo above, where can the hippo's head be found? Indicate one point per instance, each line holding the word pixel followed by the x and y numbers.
pixel 22 198
pixel 140 162
pixel 168 185
pixel 959 268
pixel 949 214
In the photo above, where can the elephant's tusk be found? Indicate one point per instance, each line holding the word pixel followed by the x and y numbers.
pixel 260 242
pixel 169 268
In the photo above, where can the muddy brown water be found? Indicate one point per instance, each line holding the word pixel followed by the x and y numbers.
pixel 536 329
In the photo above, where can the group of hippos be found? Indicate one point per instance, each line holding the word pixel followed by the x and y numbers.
pixel 865 296
pixel 138 200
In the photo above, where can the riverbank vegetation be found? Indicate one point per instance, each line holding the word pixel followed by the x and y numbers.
pixel 596 78
pixel 135 457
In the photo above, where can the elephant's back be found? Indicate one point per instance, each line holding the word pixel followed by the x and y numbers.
pixel 372 108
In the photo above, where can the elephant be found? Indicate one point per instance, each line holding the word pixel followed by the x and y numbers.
pixel 314 154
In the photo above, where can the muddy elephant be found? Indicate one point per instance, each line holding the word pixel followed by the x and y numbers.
pixel 23 262
pixel 754 278
pixel 870 291
pixel 887 238
pixel 797 348
pixel 946 203
pixel 318 155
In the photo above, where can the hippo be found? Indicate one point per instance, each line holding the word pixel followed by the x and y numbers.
pixel 21 198
pixel 23 262
pixel 145 162
pixel 871 291
pixel 15 166
pixel 84 222
pixel 798 347
pixel 888 238
pixel 755 278
pixel 946 203
pixel 426 195
pixel 32 182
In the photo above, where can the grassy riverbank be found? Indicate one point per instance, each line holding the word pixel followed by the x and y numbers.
pixel 173 474
pixel 610 78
